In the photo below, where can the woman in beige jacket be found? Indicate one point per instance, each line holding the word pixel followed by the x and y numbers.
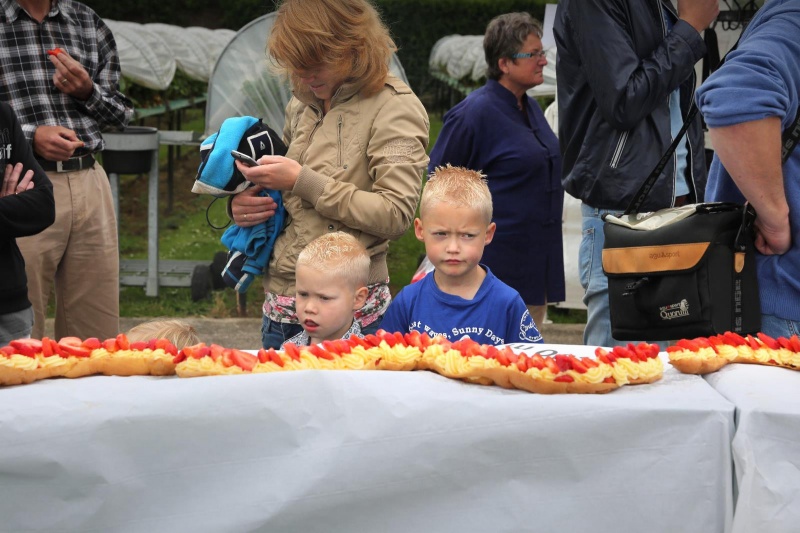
pixel 357 139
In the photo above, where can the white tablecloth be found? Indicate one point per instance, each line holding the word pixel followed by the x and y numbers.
pixel 766 447
pixel 361 452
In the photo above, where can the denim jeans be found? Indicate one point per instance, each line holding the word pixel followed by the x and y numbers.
pixel 593 279
pixel 779 327
pixel 16 325
pixel 273 334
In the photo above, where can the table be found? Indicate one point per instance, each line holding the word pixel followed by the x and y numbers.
pixel 322 451
pixel 766 446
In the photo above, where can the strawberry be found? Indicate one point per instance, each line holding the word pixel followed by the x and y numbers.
pixel 331 347
pixel 413 338
pixel 502 358
pixel 609 379
pixel 109 345
pixel 372 340
pixel 491 352
pixel 123 342
pixel 320 352
pixel 72 341
pixel 55 51
pixel 563 362
pixel 768 341
pixel 244 360
pixel 703 342
pixel 55 348
pixel 551 365
pixel 140 346
pixel 27 347
pixel 794 342
pixel 47 348
pixel 92 343
pixel 522 363
pixel 686 344
pixel 754 344
pixel 784 343
pixel 275 357
pixel 151 344
pixel 577 365
pixel 588 362
pixel 77 351
pixel 262 355
pixel 292 351
pixel 510 354
pixel 388 338
pixel 179 357
pixel 215 352
pixel 398 337
pixel 197 351
pixel 168 347
pixel 8 350
pixel 536 361
pixel 566 378
pixel 734 339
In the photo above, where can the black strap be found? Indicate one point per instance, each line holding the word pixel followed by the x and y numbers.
pixel 644 190
pixel 790 137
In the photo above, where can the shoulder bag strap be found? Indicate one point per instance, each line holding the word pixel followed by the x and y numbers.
pixel 644 190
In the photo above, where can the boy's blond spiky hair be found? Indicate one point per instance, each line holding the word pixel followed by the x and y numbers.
pixel 459 187
pixel 177 332
pixel 340 254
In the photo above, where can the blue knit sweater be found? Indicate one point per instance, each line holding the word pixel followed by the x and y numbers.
pixel 761 79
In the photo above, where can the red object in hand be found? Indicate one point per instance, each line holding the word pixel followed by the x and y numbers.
pixel 54 51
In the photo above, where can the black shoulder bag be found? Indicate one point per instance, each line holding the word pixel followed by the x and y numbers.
pixel 687 271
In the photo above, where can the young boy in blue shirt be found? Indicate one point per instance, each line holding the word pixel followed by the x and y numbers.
pixel 460 297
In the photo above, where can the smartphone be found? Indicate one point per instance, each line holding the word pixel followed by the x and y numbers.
pixel 244 158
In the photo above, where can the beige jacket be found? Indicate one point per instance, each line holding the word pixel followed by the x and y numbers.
pixel 363 164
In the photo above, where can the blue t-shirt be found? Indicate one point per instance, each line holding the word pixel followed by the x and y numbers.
pixel 496 315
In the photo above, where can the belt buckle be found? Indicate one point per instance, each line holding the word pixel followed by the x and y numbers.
pixel 70 165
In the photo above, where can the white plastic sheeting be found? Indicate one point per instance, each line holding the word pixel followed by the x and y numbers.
pixel 461 58
pixel 149 54
pixel 242 83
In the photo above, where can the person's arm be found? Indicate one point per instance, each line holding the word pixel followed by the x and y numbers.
pixel 751 153
pixel 106 103
pixel 24 211
pixel 397 159
pixel 455 144
pixel 626 88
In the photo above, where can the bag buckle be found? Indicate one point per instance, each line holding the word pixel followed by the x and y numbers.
pixel 631 288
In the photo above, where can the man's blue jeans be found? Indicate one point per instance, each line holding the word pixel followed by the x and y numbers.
pixel 779 327
pixel 593 279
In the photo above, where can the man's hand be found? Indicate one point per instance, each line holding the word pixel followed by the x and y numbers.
pixel 55 143
pixel 11 182
pixel 249 209
pixel 773 238
pixel 699 13
pixel 70 77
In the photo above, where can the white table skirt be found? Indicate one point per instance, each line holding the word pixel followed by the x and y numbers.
pixel 322 451
pixel 766 446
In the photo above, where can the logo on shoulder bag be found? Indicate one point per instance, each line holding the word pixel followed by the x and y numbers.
pixel 680 309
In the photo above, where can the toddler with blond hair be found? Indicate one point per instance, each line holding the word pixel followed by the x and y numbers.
pixel 460 298
pixel 331 285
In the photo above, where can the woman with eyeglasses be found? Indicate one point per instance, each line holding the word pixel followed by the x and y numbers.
pixel 501 131
pixel 357 139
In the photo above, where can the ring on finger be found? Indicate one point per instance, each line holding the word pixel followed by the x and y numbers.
pixel 245 216
pixel 64 80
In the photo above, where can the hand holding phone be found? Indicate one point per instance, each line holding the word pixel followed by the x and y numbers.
pixel 244 158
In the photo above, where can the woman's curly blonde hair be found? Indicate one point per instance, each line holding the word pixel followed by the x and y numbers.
pixel 347 34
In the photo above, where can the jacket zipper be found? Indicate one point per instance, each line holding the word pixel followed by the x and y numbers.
pixel 618 150
pixel 339 138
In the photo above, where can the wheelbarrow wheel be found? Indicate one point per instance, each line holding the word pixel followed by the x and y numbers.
pixel 201 282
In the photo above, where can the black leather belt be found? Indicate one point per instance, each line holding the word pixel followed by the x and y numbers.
pixel 70 165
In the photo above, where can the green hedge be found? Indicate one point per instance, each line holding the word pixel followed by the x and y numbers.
pixel 415 24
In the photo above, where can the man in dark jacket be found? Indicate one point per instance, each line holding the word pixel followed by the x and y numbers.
pixel 625 75
pixel 26 208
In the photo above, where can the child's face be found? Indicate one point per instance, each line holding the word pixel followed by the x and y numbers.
pixel 454 238
pixel 325 303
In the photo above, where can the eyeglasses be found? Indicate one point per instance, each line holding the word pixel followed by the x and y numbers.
pixel 525 55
